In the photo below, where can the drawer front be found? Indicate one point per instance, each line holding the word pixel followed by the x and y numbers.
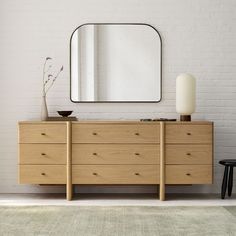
pixel 188 154
pixel 187 133
pixel 188 174
pixel 115 133
pixel 115 174
pixel 42 133
pixel 115 154
pixel 42 174
pixel 42 154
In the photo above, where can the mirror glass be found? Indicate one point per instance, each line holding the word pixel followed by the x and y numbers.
pixel 115 63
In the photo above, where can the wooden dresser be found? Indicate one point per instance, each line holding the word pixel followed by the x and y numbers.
pixel 115 152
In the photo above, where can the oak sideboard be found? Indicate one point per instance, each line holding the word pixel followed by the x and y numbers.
pixel 115 153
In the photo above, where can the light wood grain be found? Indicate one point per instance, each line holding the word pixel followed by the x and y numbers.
pixel 188 154
pixel 42 133
pixel 42 174
pixel 115 174
pixel 41 122
pixel 162 161
pixel 193 122
pixel 188 133
pixel 119 133
pixel 42 154
pixel 68 162
pixel 115 154
pixel 188 174
pixel 87 121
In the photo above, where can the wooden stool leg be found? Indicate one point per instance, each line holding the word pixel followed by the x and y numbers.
pixel 230 185
pixel 224 182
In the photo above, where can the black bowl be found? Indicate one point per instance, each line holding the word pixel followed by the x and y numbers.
pixel 64 113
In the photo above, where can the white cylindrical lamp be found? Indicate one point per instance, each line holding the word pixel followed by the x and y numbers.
pixel 185 96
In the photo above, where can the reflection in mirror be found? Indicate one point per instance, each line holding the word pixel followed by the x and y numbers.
pixel 115 63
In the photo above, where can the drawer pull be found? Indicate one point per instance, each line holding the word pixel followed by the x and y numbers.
pixel 43 174
pixel 95 154
pixel 43 134
pixel 137 174
pixel 188 154
pixel 188 133
pixel 95 174
pixel 43 154
pixel 94 133
pixel 188 174
pixel 137 134
pixel 137 154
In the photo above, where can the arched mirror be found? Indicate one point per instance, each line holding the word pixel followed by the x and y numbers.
pixel 115 63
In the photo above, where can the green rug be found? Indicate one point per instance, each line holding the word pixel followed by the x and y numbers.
pixel 117 221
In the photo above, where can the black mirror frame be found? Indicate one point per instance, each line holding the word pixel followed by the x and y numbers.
pixel 120 101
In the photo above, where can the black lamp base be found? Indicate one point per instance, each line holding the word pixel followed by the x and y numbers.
pixel 185 117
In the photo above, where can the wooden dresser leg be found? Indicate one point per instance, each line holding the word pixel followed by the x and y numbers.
pixel 68 192
pixel 68 164
pixel 162 161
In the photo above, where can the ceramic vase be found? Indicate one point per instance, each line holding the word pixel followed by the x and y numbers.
pixel 44 109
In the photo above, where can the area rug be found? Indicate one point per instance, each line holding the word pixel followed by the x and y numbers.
pixel 117 221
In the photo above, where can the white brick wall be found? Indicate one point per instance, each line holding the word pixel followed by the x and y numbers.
pixel 198 37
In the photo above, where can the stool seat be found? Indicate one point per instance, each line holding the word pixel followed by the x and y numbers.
pixel 228 162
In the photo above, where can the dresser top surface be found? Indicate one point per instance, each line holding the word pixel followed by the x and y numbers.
pixel 117 122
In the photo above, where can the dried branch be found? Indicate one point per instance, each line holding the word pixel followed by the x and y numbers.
pixel 48 79
pixel 44 72
pixel 51 79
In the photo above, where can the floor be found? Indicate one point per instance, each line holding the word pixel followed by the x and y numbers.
pixel 116 200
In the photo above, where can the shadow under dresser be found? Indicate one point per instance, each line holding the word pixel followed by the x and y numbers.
pixel 115 152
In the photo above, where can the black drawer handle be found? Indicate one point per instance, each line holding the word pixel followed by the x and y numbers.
pixel 43 134
pixel 188 154
pixel 95 154
pixel 43 154
pixel 137 134
pixel 188 133
pixel 94 133
pixel 137 174
pixel 136 153
pixel 43 174
pixel 188 174
pixel 95 174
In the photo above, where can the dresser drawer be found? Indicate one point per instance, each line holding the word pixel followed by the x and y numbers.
pixel 188 154
pixel 42 154
pixel 115 133
pixel 115 174
pixel 42 174
pixel 188 133
pixel 188 174
pixel 115 154
pixel 42 133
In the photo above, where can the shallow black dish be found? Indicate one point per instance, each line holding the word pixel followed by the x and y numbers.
pixel 64 113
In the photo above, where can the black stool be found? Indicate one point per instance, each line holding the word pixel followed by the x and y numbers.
pixel 227 179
